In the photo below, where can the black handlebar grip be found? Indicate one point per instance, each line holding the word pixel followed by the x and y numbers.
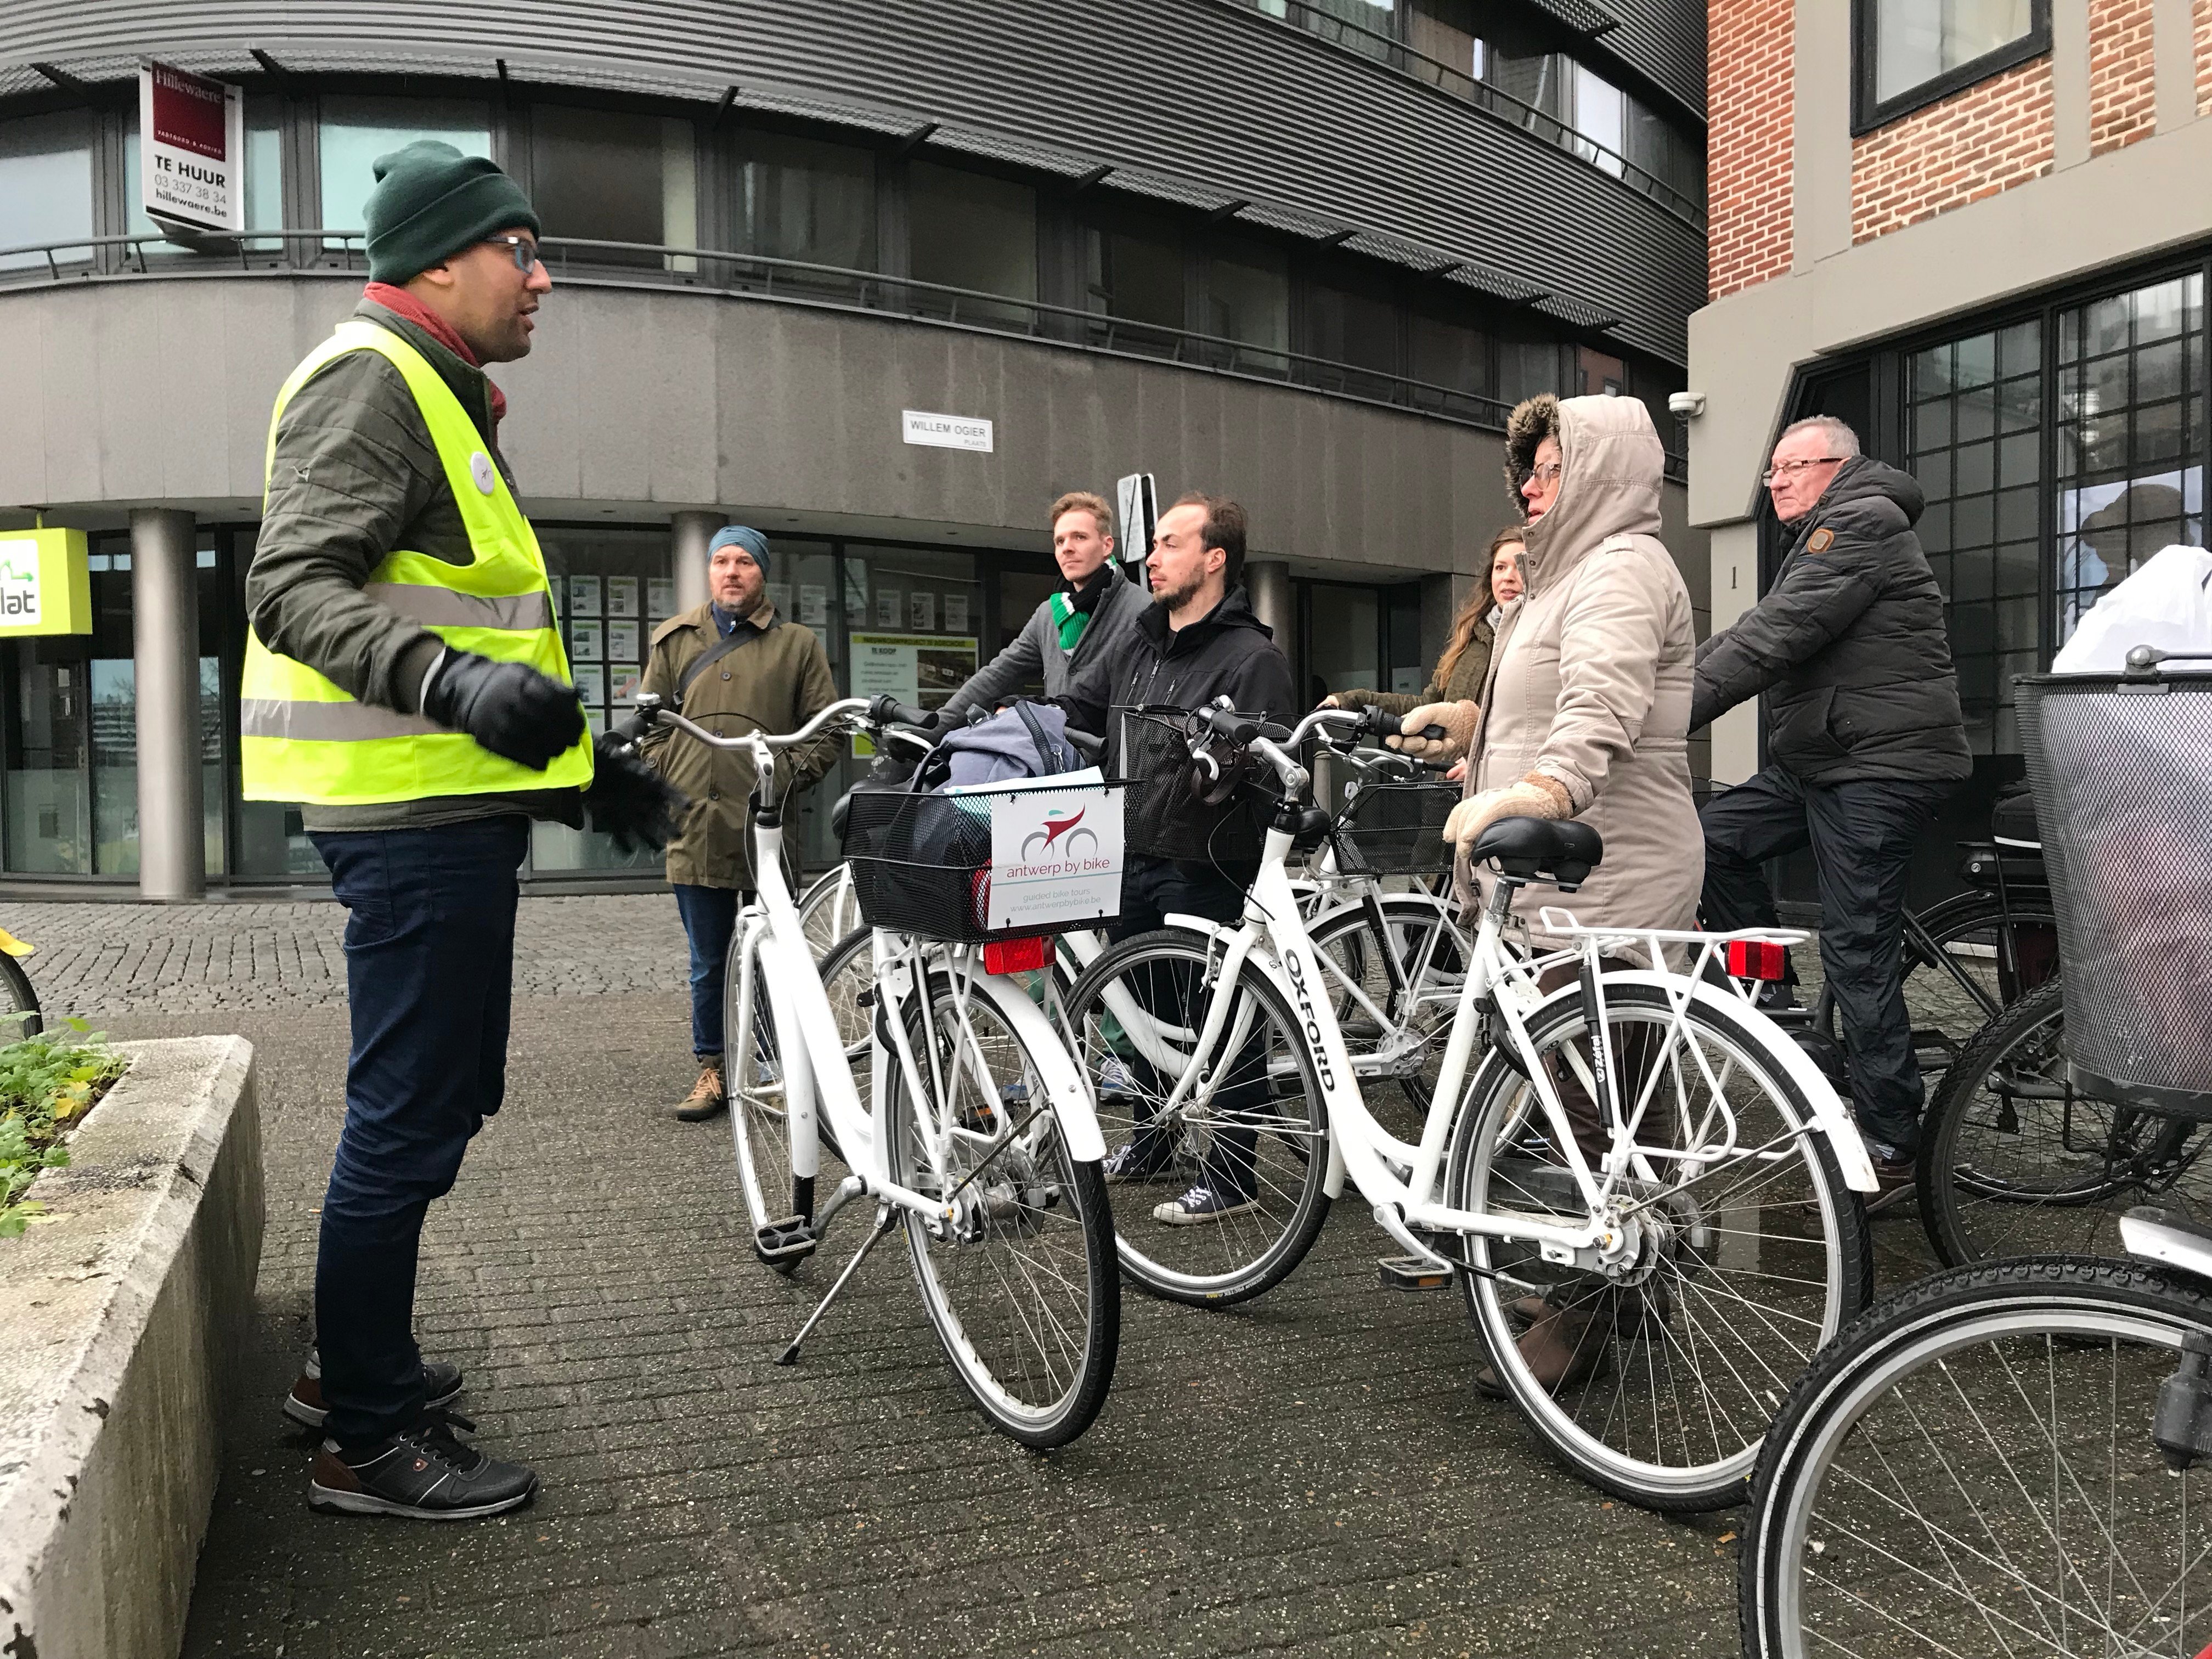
pixel 1435 733
pixel 1376 721
pixel 1228 723
pixel 890 711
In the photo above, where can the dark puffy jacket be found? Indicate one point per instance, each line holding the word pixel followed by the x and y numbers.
pixel 1848 646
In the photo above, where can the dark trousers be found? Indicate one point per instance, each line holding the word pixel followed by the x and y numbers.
pixel 710 917
pixel 1152 891
pixel 429 948
pixel 1862 836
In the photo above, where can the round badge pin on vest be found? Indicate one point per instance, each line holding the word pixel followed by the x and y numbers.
pixel 485 474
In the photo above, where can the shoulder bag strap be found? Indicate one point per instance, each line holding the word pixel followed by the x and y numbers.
pixel 714 653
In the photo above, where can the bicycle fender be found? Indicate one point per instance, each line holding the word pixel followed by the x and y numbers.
pixel 1830 1112
pixel 1047 1050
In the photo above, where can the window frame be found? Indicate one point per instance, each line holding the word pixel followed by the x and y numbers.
pixel 1870 114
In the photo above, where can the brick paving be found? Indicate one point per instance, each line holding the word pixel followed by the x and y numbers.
pixel 1310 1474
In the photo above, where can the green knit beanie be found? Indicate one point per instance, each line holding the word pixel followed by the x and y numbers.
pixel 431 201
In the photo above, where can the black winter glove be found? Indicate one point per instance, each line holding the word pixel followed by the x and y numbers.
pixel 631 801
pixel 509 708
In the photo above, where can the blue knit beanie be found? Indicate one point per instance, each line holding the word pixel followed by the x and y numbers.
pixel 745 536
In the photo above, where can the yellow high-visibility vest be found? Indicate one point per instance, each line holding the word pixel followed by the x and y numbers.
pixel 301 738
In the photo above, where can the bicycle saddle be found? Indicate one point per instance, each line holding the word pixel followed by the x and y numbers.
pixel 1556 850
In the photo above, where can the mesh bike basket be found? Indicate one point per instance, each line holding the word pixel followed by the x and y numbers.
pixel 1164 819
pixel 922 865
pixel 2122 776
pixel 1396 829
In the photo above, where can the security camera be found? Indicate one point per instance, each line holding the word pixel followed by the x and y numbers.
pixel 1686 405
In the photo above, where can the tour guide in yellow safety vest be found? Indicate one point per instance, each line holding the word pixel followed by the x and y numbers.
pixel 405 684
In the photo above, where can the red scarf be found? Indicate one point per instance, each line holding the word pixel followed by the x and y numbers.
pixel 399 301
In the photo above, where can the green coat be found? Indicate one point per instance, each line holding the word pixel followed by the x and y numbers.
pixel 775 684
pixel 1465 685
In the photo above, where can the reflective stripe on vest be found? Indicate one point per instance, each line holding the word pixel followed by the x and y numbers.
pixel 302 739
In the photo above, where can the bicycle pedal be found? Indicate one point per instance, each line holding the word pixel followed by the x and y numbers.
pixel 1411 1272
pixel 784 1244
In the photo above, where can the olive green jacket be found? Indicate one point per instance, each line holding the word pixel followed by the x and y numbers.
pixel 356 475
pixel 1465 685
pixel 775 683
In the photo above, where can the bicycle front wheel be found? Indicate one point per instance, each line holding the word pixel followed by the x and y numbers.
pixel 1020 1283
pixel 1655 1377
pixel 828 910
pixel 18 1003
pixel 2015 1160
pixel 1250 1132
pixel 1970 1470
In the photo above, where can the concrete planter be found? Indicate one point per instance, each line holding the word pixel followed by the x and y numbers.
pixel 120 1328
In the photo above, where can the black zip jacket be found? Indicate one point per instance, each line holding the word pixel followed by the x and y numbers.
pixel 1228 651
pixel 1849 646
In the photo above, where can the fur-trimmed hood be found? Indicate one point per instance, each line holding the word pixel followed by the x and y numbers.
pixel 1611 467
pixel 1533 420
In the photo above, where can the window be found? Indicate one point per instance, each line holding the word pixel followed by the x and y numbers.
pixel 800 198
pixel 613 177
pixel 355 131
pixel 1455 355
pixel 1135 274
pixel 264 173
pixel 1973 428
pixel 1528 365
pixel 969 230
pixel 1358 329
pixel 1247 300
pixel 2130 418
pixel 1601 118
pixel 1912 52
pixel 46 184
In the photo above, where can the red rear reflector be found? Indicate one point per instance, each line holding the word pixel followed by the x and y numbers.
pixel 1749 958
pixel 1017 956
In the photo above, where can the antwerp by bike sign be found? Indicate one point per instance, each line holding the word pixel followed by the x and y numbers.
pixel 191 136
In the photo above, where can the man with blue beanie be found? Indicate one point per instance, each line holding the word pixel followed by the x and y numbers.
pixel 733 666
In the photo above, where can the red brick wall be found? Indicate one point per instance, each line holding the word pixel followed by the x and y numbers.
pixel 2122 81
pixel 1992 136
pixel 1751 100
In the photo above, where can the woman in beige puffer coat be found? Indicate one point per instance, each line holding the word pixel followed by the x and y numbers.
pixel 1587 710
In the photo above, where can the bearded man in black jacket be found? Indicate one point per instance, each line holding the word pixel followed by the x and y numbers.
pixel 1865 740
pixel 1198 640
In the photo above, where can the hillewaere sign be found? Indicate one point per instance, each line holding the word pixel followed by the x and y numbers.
pixel 191 157
pixel 45 586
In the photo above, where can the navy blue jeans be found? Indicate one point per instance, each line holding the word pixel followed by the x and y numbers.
pixel 710 916
pixel 429 947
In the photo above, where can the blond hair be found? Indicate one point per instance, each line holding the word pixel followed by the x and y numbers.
pixel 1082 501
pixel 1474 607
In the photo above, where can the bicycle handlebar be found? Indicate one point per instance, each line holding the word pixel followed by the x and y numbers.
pixel 652 711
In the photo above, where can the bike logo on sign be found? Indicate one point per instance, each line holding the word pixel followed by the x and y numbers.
pixel 1055 827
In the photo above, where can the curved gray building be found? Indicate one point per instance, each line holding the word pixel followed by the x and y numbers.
pixel 1304 252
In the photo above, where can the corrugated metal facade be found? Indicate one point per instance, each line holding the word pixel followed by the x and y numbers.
pixel 1192 89
pixel 1666 40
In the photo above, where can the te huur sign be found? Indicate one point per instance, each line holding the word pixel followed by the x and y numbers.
pixel 191 137
pixel 45 586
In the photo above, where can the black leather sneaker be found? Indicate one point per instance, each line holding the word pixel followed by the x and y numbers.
pixel 441 1386
pixel 423 1473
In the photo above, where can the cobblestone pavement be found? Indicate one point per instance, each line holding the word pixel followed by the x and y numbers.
pixel 1310 1474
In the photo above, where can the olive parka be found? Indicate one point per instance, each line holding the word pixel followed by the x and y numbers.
pixel 776 682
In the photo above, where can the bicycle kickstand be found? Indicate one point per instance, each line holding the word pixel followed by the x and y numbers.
pixel 886 1218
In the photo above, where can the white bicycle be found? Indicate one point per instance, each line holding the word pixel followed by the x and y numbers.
pixel 977 1135
pixel 1638 1153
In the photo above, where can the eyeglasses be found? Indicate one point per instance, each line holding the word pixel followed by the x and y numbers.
pixel 1784 469
pixel 1545 474
pixel 525 251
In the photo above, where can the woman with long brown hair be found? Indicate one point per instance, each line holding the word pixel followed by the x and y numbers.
pixel 1465 664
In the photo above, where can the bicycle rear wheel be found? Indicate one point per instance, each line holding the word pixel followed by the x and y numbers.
pixel 1970 1470
pixel 18 1003
pixel 1257 1126
pixel 2015 1160
pixel 828 909
pixel 1020 1285
pixel 1750 1254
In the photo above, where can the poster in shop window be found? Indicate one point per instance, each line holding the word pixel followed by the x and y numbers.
pixel 584 596
pixel 887 607
pixel 813 605
pixel 660 597
pixel 922 669
pixel 192 151
pixel 955 613
pixel 586 641
pixel 623 643
pixel 923 606
pixel 621 596
pixel 591 680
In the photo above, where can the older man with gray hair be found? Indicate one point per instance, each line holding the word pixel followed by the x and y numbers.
pixel 1865 739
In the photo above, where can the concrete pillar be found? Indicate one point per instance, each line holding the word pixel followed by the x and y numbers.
pixel 1735 590
pixel 1268 583
pixel 165 636
pixel 690 532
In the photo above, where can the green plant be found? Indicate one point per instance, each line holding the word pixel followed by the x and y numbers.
pixel 46 1083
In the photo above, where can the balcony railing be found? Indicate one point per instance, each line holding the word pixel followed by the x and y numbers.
pixel 1388 50
pixel 753 275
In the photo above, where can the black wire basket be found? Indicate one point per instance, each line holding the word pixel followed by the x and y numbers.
pixel 1164 819
pixel 922 865
pixel 2121 770
pixel 1395 829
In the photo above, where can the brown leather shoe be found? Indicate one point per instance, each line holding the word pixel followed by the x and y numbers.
pixel 1562 1347
pixel 707 1098
pixel 1896 1177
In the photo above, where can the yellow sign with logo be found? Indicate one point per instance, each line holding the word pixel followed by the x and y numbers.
pixel 45 586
